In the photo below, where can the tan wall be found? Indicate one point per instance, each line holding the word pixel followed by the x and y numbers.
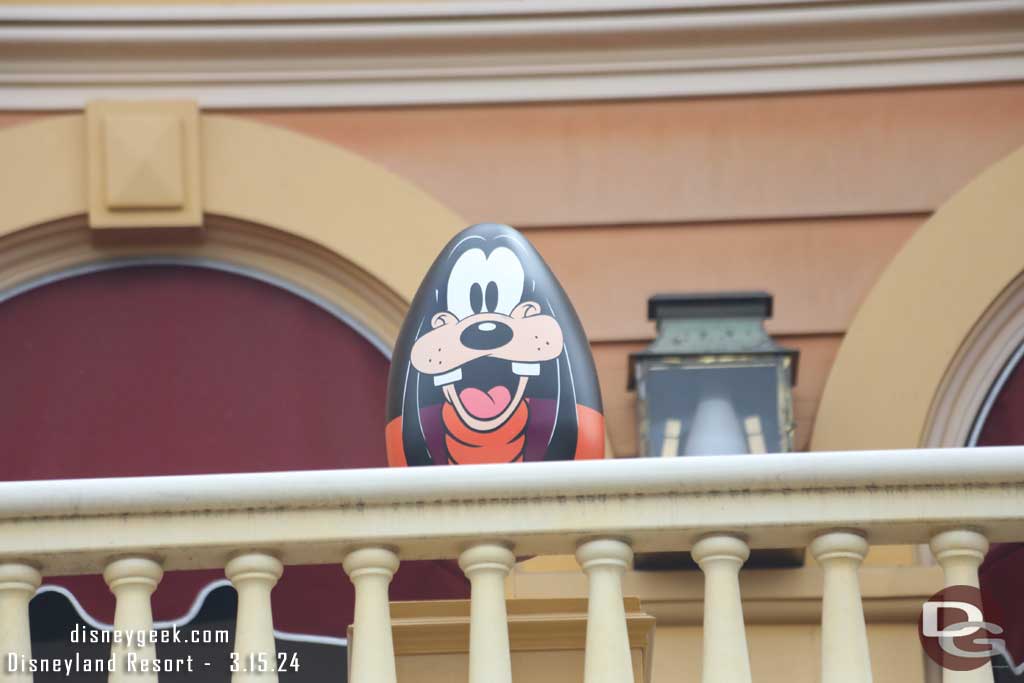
pixel 809 196
pixel 782 611
pixel 782 653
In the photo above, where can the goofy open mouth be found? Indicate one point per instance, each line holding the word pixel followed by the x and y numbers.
pixel 482 352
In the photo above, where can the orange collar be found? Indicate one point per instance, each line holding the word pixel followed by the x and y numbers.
pixel 469 447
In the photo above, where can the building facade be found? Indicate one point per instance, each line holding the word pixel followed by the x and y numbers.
pixel 213 219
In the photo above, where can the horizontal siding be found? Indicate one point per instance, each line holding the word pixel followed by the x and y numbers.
pixel 818 270
pixel 817 353
pixel 823 154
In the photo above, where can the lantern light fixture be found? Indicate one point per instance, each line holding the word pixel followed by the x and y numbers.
pixel 713 382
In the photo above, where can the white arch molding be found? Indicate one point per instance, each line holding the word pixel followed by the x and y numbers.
pixel 978 372
pixel 188 262
pixel 934 334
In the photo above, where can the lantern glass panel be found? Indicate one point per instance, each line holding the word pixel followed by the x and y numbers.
pixel 714 405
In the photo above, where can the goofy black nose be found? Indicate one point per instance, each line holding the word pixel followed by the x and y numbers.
pixel 486 335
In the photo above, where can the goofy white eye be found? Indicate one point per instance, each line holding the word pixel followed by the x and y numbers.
pixel 467 274
pixel 505 273
pixel 490 284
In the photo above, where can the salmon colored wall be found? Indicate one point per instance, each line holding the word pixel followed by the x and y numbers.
pixel 809 196
pixel 673 161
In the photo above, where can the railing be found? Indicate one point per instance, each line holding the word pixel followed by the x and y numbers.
pixel 719 508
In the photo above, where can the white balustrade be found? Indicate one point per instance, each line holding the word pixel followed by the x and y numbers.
pixel 960 553
pixel 18 583
pixel 132 580
pixel 373 649
pixel 486 565
pixel 844 636
pixel 479 514
pixel 607 658
pixel 725 658
pixel 254 575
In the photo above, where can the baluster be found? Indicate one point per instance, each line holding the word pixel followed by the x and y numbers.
pixel 132 580
pixel 18 583
pixel 373 650
pixel 254 575
pixel 960 553
pixel 844 637
pixel 608 658
pixel 725 658
pixel 486 566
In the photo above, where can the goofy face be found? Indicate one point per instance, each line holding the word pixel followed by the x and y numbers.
pixel 485 317
pixel 482 370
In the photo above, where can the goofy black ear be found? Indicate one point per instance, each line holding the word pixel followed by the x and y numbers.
pixel 492 363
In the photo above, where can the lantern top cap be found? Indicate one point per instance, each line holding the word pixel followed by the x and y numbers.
pixel 710 305
pixel 711 324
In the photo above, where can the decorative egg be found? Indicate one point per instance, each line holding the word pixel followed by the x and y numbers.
pixel 492 364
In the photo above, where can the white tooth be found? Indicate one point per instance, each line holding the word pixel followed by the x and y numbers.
pixel 448 377
pixel 526 369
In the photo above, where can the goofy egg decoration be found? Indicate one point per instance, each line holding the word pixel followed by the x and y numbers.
pixel 492 364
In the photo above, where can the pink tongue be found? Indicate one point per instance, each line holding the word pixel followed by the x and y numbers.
pixel 485 405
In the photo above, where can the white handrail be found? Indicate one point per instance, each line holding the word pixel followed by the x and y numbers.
pixel 316 517
pixel 254 525
pixel 781 472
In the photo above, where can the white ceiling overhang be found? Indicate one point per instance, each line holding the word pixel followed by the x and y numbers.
pixel 506 51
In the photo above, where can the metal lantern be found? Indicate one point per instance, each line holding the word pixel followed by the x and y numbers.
pixel 713 382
